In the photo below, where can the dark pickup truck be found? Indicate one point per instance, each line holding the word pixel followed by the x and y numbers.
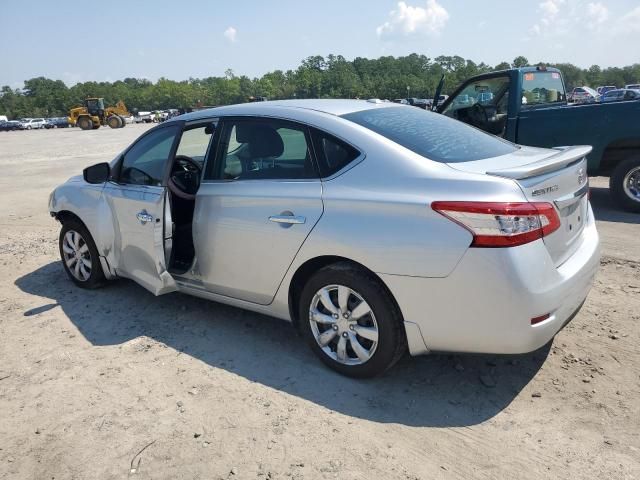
pixel 529 106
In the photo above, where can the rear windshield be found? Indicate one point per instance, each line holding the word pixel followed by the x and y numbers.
pixel 431 135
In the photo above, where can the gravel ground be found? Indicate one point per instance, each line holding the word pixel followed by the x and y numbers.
pixel 116 383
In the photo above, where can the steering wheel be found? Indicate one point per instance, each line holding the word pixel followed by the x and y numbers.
pixel 479 114
pixel 184 180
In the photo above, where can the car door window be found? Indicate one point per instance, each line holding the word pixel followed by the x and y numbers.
pixel 486 93
pixel 144 163
pixel 194 143
pixel 258 149
pixel 332 154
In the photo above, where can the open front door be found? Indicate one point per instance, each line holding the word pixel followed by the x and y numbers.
pixel 140 216
pixel 141 211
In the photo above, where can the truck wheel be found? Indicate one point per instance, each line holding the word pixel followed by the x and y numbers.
pixel 114 121
pixel 624 184
pixel 124 121
pixel 85 123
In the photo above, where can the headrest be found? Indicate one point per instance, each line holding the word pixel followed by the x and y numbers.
pixel 264 141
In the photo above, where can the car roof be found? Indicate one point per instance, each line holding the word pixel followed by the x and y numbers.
pixel 329 106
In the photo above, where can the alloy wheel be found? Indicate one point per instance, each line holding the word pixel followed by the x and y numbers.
pixel 343 325
pixel 77 256
pixel 631 184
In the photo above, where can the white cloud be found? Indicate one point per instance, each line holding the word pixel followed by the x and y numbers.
pixel 597 14
pixel 408 20
pixel 630 22
pixel 230 34
pixel 549 10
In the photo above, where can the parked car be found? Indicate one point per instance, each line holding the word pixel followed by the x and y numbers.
pixel 541 117
pixel 143 117
pixel 604 89
pixel 363 223
pixel 633 86
pixel 583 95
pixel 417 102
pixel 33 123
pixel 620 95
pixel 10 126
pixel 3 118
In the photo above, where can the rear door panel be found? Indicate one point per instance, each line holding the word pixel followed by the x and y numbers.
pixel 241 253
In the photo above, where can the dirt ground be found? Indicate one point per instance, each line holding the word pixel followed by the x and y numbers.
pixel 116 383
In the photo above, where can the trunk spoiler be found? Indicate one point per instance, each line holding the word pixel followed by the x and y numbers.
pixel 557 161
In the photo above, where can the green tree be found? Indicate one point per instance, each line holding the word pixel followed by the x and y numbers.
pixel 520 62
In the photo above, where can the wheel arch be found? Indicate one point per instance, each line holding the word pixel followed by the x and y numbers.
pixel 304 272
pixel 66 215
pixel 616 152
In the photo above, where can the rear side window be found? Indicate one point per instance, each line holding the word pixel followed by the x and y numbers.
pixel 434 136
pixel 332 154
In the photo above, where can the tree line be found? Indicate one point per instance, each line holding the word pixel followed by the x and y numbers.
pixel 317 77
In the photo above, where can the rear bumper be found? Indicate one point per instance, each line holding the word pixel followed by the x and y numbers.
pixel 486 304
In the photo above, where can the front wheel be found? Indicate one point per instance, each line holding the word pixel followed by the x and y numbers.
pixel 624 184
pixel 79 255
pixel 351 322
pixel 85 123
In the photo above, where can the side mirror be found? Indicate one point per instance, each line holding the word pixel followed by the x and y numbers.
pixel 98 173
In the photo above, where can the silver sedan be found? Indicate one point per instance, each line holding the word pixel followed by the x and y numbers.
pixel 375 228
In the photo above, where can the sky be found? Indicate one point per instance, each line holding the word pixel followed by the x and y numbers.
pixel 110 40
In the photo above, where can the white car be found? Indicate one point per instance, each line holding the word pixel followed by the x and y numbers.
pixel 33 123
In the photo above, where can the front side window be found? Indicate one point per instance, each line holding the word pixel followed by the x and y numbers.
pixel 257 149
pixel 144 163
pixel 194 143
pixel 436 137
pixel 543 88
pixel 491 92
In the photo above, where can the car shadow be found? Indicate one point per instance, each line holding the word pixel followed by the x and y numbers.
pixel 605 210
pixel 434 390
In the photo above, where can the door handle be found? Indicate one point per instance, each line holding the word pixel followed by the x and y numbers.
pixel 287 219
pixel 144 217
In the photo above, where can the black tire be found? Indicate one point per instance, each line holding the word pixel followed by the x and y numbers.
pixel 96 276
pixel 123 122
pixel 626 199
pixel 85 123
pixel 391 342
pixel 114 121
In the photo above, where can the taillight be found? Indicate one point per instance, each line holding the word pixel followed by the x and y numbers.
pixel 494 224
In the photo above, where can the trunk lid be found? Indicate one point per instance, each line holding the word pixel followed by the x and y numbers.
pixel 557 176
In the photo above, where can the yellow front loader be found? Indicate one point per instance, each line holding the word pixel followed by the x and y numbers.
pixel 93 114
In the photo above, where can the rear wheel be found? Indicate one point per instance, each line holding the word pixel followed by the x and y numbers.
pixel 114 121
pixel 624 184
pixel 85 123
pixel 351 322
pixel 79 255
pixel 124 122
